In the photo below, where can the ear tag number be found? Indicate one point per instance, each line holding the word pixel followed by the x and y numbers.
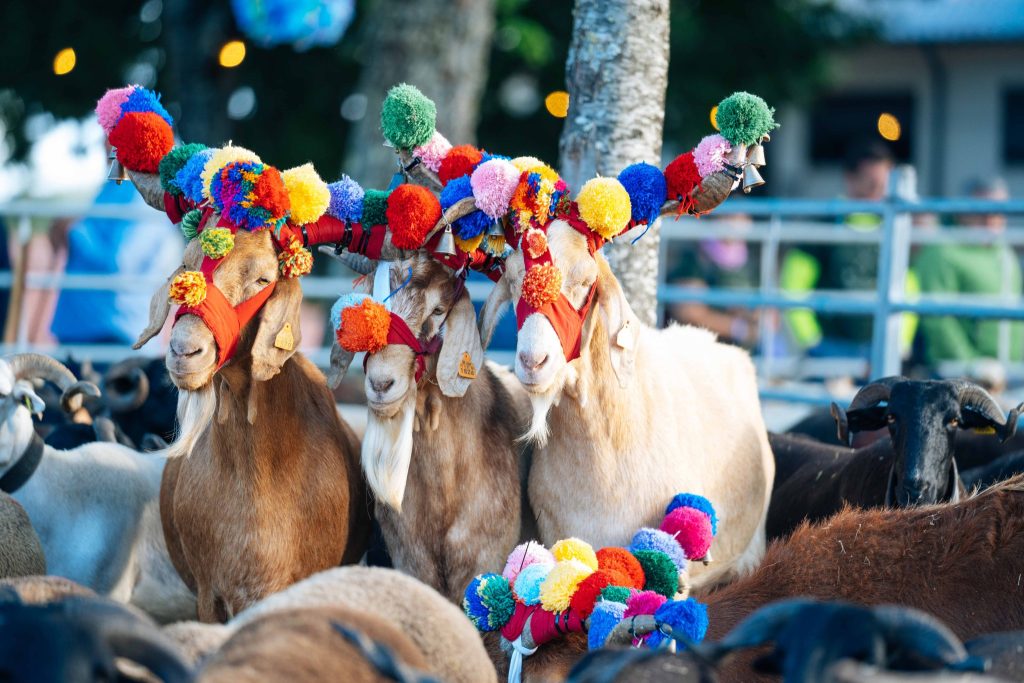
pixel 466 367
pixel 624 338
pixel 284 339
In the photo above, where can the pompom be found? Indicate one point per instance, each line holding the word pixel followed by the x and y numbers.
pixel 433 151
pixel 307 193
pixel 526 163
pixel 375 206
pixel 575 549
pixel 221 157
pixel 488 602
pixel 190 177
pixel 142 100
pixel 527 584
pixel 459 161
pixel 343 302
pixel 364 327
pixel 604 206
pixel 618 594
pixel 655 539
pixel 557 589
pixel 190 224
pixel 142 139
pixel 681 176
pixel 523 556
pixel 603 620
pixel 536 196
pixel 744 118
pixel 250 195
pixel 188 289
pixel 686 617
pixel 217 242
pixel 495 245
pixel 661 573
pixel 108 108
pixel 587 593
pixel 535 242
pixel 294 260
pixel 346 200
pixel 476 222
pixel 692 500
pixel 407 117
pixel 710 154
pixel 643 602
pixel 494 181
pixel 622 561
pixel 646 187
pixel 471 245
pixel 542 284
pixel 691 529
pixel 173 162
pixel 412 212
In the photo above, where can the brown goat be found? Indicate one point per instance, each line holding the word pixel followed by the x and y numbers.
pixel 20 551
pixel 267 488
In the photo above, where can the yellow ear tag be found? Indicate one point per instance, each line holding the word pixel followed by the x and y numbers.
pixel 988 429
pixel 466 367
pixel 624 339
pixel 284 339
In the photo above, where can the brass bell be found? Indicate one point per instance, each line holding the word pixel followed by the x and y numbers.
pixel 446 245
pixel 116 172
pixel 751 178
pixel 755 155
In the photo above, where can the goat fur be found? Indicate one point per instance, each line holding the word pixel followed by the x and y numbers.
pixel 20 551
pixel 38 590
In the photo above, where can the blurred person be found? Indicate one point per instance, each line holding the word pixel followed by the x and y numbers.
pixel 979 269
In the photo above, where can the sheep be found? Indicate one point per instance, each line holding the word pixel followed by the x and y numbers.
pixel 20 551
pixel 914 466
pixel 262 487
pixel 103 541
pixel 440 449
pixel 639 416
pixel 140 399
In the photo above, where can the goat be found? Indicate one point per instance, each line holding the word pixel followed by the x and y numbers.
pixel 914 466
pixel 20 551
pixel 271 490
pixel 140 398
pixel 440 448
pixel 1000 469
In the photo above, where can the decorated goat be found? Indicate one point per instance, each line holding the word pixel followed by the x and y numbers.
pixel 613 401
pixel 270 490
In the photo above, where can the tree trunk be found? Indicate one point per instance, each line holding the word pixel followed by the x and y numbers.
pixel 441 47
pixel 617 74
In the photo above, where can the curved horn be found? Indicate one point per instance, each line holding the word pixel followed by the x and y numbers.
pixel 148 185
pixel 920 634
pixel 123 401
pixel 874 393
pixel 159 307
pixel 762 626
pixel 104 430
pixel 463 207
pixel 970 395
pixel 628 629
pixel 357 262
pixel 31 365
pixel 418 171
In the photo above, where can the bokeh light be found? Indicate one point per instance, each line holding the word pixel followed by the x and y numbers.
pixel 889 127
pixel 232 54
pixel 714 117
pixel 557 103
pixel 64 62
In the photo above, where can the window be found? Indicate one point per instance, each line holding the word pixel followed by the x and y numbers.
pixel 1013 125
pixel 838 120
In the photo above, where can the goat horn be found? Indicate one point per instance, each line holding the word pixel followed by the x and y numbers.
pixel 159 308
pixel 919 633
pixel 761 626
pixel 103 428
pixel 418 171
pixel 123 401
pixel 463 207
pixel 972 396
pixel 148 185
pixel 357 262
pixel 874 393
pixel 628 629
pixel 35 365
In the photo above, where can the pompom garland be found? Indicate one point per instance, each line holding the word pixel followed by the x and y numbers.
pixel 527 584
pixel 250 195
pixel 542 284
pixel 375 206
pixel 460 161
pixel 488 601
pixel 710 155
pixel 646 187
pixel 656 539
pixel 660 572
pixel 364 327
pixel 407 117
pixel 692 500
pixel 346 200
pixel 536 196
pixel 343 302
pixel 411 213
pixel 190 177
pixel 575 549
pixel 681 176
pixel 173 162
pixel 691 529
pixel 294 260
pixel 141 100
pixel 744 118
pixel 621 561
pixel 493 183
pixel 523 556
pixel 605 618
pixel 217 242
pixel 307 193
pixel 470 245
pixel 644 602
pixel 188 289
pixel 433 152
pixel 588 592
pixel 475 223
pixel 557 589
pixel 686 617
pixel 605 207
pixel 142 139
pixel 108 108
pixel 526 163
pixel 618 594
pixel 220 158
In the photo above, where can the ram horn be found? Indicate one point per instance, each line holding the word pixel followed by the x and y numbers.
pixel 137 387
pixel 628 629
pixel 874 393
pixel 357 262
pixel 912 631
pixel 463 207
pixel 418 171
pixel 35 365
pixel 717 187
pixel 148 185
pixel 972 396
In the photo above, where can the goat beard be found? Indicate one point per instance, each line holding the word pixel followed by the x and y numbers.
pixel 387 453
pixel 538 430
pixel 195 413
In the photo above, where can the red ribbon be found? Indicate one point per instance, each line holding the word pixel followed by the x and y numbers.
pixel 544 626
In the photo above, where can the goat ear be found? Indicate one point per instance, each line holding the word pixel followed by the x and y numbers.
pixel 278 335
pixel 340 358
pixel 493 309
pixel 842 423
pixel 461 353
pixel 866 419
pixel 159 307
pixel 621 324
pixel 25 394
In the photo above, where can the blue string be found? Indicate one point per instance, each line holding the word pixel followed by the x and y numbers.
pixel 638 237
pixel 401 286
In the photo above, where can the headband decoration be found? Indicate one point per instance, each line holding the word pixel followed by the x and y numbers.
pixel 542 284
pixel 217 242
pixel 251 195
pixel 362 325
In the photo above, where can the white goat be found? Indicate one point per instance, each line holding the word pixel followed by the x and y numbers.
pixel 94 507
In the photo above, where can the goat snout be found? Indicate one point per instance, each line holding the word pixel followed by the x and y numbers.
pixel 533 360
pixel 381 386
pixel 185 348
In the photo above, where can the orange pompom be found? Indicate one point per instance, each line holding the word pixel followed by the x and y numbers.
pixel 188 288
pixel 142 139
pixel 542 284
pixel 295 260
pixel 535 242
pixel 460 161
pixel 412 211
pixel 364 327
pixel 622 561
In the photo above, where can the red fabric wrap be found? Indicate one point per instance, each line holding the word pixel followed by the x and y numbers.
pixel 514 627
pixel 325 230
pixel 176 207
pixel 399 333
pixel 546 626
pixel 572 217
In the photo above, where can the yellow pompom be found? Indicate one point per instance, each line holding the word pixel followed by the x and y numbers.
pixel 470 245
pixel 526 163
pixel 557 589
pixel 221 158
pixel 575 549
pixel 307 193
pixel 604 206
pixel 188 289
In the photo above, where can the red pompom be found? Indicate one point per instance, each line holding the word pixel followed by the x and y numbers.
pixel 692 530
pixel 412 211
pixel 681 177
pixel 271 194
pixel 459 161
pixel 622 561
pixel 589 590
pixel 142 139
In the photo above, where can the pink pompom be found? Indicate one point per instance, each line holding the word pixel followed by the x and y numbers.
pixel 692 530
pixel 494 182
pixel 710 154
pixel 643 602
pixel 433 152
pixel 523 556
pixel 108 109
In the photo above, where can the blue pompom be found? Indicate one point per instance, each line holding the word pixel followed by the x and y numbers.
pixel 605 617
pixel 686 617
pixel 527 585
pixel 692 500
pixel 487 157
pixel 346 200
pixel 472 603
pixel 190 177
pixel 474 224
pixel 488 601
pixel 656 539
pixel 344 301
pixel 647 188
pixel 141 100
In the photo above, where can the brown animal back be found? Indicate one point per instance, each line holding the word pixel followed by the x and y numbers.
pixel 21 554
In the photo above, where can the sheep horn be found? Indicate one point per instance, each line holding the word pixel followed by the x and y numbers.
pixel 32 365
pixel 357 262
pixel 760 627
pixel 628 629
pixel 123 401
pixel 874 393
pixel 389 252
pixel 975 398
pixel 148 185
pixel 923 635
pixel 419 171
pixel 104 430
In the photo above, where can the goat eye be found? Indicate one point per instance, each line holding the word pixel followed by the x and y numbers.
pixel 438 310
pixel 263 281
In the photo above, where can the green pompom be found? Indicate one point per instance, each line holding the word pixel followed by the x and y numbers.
pixel 615 594
pixel 496 594
pixel 190 224
pixel 743 118
pixel 407 117
pixel 217 242
pixel 173 162
pixel 375 206
pixel 661 572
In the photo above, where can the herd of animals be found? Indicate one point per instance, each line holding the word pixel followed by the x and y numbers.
pixel 185 519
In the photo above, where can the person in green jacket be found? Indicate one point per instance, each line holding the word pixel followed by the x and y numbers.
pixel 992 270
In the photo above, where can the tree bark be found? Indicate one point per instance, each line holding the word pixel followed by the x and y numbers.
pixel 617 74
pixel 440 46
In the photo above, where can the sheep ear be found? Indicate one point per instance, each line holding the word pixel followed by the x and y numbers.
pixel 620 322
pixel 493 309
pixel 159 307
pixel 24 393
pixel 278 335
pixel 462 352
